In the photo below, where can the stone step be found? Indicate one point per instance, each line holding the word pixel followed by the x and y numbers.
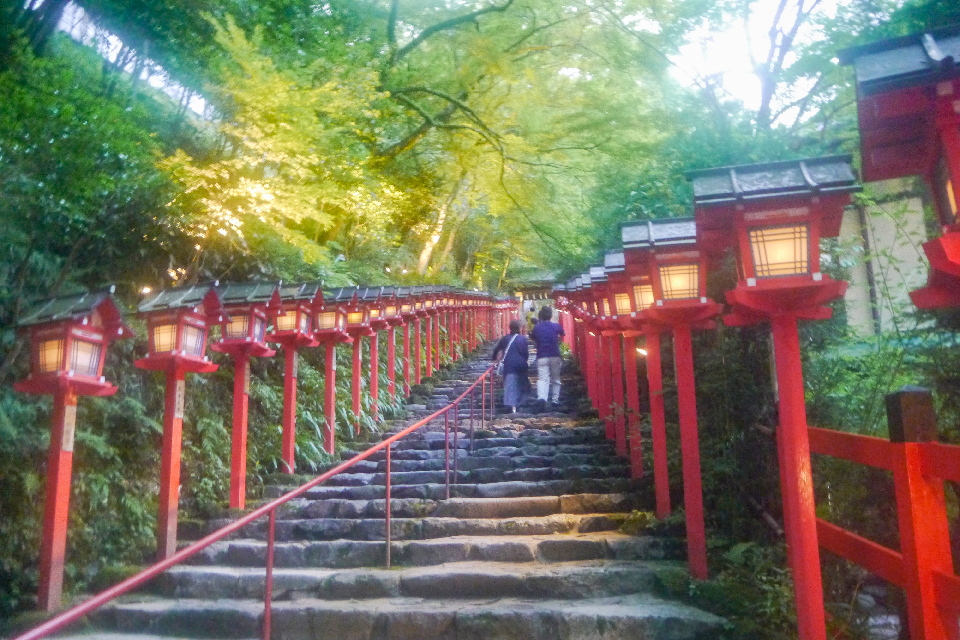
pixel 436 491
pixel 598 453
pixel 469 462
pixel 453 580
pixel 362 553
pixel 627 617
pixel 479 476
pixel 427 528
pixel 523 507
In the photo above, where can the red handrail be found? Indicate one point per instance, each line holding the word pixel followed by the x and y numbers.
pixel 923 566
pixel 73 614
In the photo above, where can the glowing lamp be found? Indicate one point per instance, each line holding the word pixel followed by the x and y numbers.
pixel 178 321
pixel 908 101
pixel 291 311
pixel 773 215
pixel 243 329
pixel 69 337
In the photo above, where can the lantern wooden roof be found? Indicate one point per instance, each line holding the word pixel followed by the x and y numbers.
pixel 897 63
pixel 299 291
pixel 76 307
pixel 643 234
pixel 186 297
pixel 897 97
pixel 770 180
pixel 237 293
pixel 795 188
pixel 614 262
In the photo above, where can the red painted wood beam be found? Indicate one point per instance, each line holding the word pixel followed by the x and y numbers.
pixel 57 506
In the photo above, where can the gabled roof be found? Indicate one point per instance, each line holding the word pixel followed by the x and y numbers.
pixel 598 274
pixel 614 262
pixel 74 307
pixel 299 291
pixel 812 176
pixel 641 234
pixel 246 292
pixel 898 63
pixel 180 298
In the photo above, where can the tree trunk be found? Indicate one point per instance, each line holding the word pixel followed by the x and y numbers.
pixel 437 230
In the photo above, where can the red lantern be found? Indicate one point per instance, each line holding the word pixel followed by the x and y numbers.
pixel 243 335
pixel 908 100
pixel 69 337
pixel 774 215
pixel 330 328
pixel 391 319
pixel 291 313
pixel 177 320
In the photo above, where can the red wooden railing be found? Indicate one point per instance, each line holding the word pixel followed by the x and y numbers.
pixel 923 567
pixel 62 620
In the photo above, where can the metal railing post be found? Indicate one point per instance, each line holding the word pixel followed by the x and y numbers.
pixel 387 506
pixel 446 449
pixel 473 396
pixel 268 586
pixel 483 402
pixel 456 441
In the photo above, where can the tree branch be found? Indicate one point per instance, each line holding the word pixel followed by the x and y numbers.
pixel 446 25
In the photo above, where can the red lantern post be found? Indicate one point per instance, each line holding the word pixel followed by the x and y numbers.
pixel 774 215
pixel 908 100
pixel 330 329
pixel 620 292
pixel 69 337
pixel 291 310
pixel 243 336
pixel 358 326
pixel 177 322
pixel 375 305
pixel 393 319
pixel 408 314
pixel 676 271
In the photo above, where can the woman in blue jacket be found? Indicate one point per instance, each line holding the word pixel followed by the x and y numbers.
pixel 513 349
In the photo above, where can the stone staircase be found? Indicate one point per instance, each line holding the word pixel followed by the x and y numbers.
pixel 527 547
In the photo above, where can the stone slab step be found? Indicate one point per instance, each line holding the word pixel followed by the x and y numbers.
pixel 523 507
pixel 427 528
pixel 480 476
pixel 488 490
pixel 470 463
pixel 629 617
pixel 361 553
pixel 452 580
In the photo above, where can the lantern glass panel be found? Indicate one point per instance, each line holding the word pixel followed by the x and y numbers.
pixel 85 357
pixel 259 329
pixel 680 281
pixel 304 322
pixel 642 296
pixel 287 321
pixel 606 307
pixel 780 251
pixel 164 338
pixel 429 304
pixel 238 328
pixel 391 311
pixel 193 341
pixel 623 304
pixel 355 318
pixel 406 308
pixel 945 196
pixel 50 354
pixel 327 320
pixel 374 313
